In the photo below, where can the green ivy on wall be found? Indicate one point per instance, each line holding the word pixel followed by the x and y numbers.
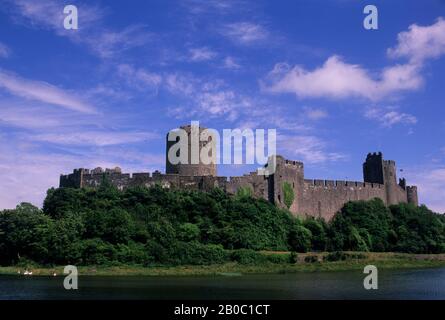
pixel 288 193
pixel 244 192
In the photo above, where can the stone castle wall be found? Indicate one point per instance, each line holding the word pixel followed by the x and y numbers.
pixel 318 198
pixel 323 198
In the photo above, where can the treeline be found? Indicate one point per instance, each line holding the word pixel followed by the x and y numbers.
pixel 163 227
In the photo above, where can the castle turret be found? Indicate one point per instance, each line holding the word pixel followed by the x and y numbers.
pixel 373 168
pixel 287 179
pixel 73 180
pixel 391 185
pixel 198 140
pixel 412 195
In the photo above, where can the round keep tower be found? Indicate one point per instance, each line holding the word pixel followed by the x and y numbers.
pixel 186 155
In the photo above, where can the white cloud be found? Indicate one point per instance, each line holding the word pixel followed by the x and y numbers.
pixel 107 44
pixel 245 32
pixel 25 177
pixel 306 148
pixel 430 183
pixel 180 84
pixel 109 91
pixel 216 102
pixel 315 113
pixel 4 51
pixel 94 138
pixel 141 79
pixel 212 98
pixel 338 79
pixel 43 92
pixel 201 54
pixel 223 102
pixel 389 117
pixel 420 42
pixel 16 115
pixel 230 63
pixel 48 14
pixel 26 174
pixel 208 6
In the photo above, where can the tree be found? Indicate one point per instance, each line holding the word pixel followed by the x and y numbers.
pixel 299 238
pixel 188 232
pixel 318 228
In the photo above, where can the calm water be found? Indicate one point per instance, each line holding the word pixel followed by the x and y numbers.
pixel 406 284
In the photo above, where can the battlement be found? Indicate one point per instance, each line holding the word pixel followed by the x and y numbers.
pixel 374 156
pixel 389 162
pixel 341 184
pixel 293 163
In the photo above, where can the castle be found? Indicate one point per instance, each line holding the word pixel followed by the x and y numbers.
pixel 286 187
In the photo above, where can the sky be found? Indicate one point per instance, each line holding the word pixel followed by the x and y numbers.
pixel 107 93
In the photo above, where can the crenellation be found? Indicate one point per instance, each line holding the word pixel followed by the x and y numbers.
pixel 351 184
pixel 340 183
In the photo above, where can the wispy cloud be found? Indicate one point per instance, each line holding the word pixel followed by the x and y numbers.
pixel 43 92
pixel 15 114
pixel 94 138
pixel 106 43
pixel 49 14
pixel 245 32
pixel 390 116
pixel 230 63
pixel 4 50
pixel 315 113
pixel 212 97
pixel 141 79
pixel 202 7
pixel 430 181
pixel 180 84
pixel 310 149
pixel 42 169
pixel 201 54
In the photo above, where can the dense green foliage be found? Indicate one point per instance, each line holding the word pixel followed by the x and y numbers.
pixel 162 227
pixel 371 226
pixel 142 226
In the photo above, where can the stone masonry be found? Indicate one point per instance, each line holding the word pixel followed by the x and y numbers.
pixel 318 198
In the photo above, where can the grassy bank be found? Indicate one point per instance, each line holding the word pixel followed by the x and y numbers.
pixel 381 260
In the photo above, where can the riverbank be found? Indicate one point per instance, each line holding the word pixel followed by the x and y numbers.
pixel 355 261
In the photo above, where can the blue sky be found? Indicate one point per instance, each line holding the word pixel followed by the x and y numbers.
pixel 106 94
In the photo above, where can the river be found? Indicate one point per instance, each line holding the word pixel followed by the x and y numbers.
pixel 392 284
